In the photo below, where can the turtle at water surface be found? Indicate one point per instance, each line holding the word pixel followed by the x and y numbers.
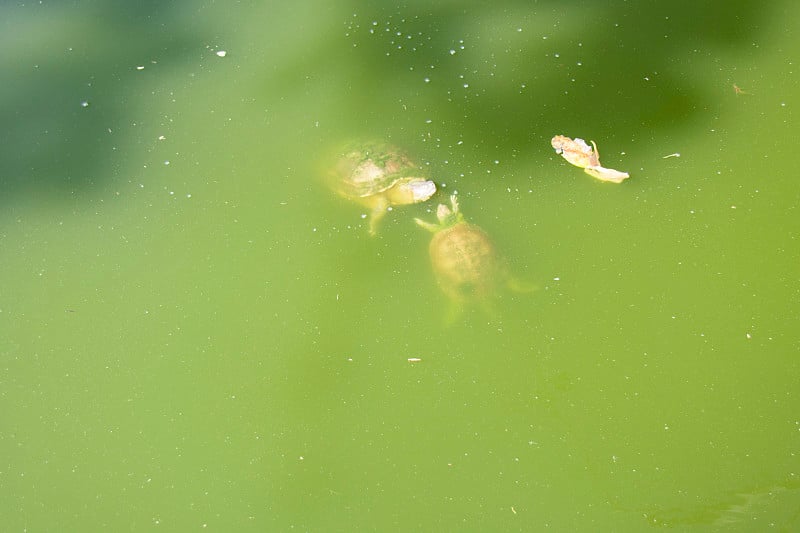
pixel 379 176
pixel 468 267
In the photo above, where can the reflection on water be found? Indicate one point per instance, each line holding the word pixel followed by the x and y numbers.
pixel 773 508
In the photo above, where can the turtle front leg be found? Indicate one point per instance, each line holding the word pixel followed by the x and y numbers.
pixel 433 228
pixel 377 214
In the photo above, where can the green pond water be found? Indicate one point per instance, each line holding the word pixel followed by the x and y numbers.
pixel 197 334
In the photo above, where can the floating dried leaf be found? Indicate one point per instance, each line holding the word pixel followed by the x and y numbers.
pixel 576 152
pixel 580 154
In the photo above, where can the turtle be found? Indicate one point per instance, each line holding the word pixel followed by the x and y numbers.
pixel 467 265
pixel 378 176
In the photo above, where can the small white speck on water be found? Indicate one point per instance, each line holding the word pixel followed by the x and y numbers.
pixel 221 53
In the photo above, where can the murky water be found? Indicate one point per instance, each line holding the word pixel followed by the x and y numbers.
pixel 195 333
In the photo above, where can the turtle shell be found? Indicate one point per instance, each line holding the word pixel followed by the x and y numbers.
pixel 372 169
pixel 466 263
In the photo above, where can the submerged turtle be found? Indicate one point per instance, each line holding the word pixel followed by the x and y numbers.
pixel 379 176
pixel 466 263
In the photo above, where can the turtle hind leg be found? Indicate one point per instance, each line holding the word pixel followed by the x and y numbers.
pixel 521 286
pixel 455 310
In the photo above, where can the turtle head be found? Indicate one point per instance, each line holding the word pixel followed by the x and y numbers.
pixel 449 216
pixel 411 191
pixel 421 190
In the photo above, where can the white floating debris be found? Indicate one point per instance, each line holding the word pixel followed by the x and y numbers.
pixel 221 53
pixel 84 104
pixel 676 154
pixel 139 67
pixel 414 359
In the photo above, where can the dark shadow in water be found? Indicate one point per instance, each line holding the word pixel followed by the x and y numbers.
pixel 637 73
pixel 640 65
pixel 68 69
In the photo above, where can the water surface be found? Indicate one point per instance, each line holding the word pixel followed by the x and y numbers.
pixel 196 334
